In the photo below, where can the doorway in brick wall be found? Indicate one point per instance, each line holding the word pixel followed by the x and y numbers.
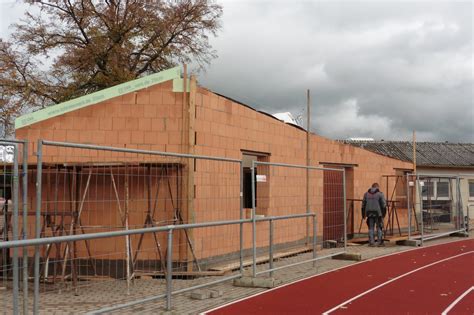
pixel 333 205
pixel 262 189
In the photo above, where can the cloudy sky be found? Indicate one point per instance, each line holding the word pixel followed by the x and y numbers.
pixel 375 68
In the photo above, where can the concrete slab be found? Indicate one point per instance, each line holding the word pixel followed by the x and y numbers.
pixel 216 293
pixel 200 294
pixel 414 243
pixel 349 256
pixel 250 282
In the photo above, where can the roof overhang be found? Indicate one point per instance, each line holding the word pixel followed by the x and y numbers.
pixel 471 167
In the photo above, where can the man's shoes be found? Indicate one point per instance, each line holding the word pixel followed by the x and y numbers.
pixel 371 245
pixel 380 245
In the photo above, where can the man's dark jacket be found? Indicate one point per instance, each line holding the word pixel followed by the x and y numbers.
pixel 374 203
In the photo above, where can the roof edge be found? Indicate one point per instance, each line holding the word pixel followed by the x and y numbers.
pixel 96 97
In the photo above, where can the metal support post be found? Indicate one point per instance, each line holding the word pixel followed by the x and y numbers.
pixel 314 239
pixel 169 269
pixel 468 218
pixel 15 231
pixel 420 194
pixel 271 247
pixel 25 225
pixel 254 225
pixel 241 226
pixel 408 206
pixel 459 204
pixel 308 159
pixel 345 207
pixel 39 171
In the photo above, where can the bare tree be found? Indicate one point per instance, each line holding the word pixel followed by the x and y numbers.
pixel 70 48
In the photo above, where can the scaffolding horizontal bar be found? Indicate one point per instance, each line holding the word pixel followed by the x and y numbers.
pixel 109 234
pixel 13 141
pixel 124 150
pixel 285 217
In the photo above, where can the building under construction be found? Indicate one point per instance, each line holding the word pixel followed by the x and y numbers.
pixel 98 189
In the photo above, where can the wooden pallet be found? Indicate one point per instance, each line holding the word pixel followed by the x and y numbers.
pixel 392 239
pixel 260 260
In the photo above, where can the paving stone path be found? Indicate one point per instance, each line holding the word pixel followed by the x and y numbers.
pixel 94 295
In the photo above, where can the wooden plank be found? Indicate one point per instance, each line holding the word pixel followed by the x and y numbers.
pixel 260 260
pixel 191 115
pixel 94 278
pixel 144 273
pixel 353 244
pixel 397 238
pixel 360 239
pixel 389 239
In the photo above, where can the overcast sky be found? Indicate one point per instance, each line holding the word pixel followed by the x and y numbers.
pixel 375 68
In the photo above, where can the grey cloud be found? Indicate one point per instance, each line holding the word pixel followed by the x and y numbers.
pixel 408 65
pixel 375 68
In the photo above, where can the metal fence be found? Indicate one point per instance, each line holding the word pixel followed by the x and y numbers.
pixel 467 189
pixel 435 206
pixel 146 225
pixel 469 223
pixel 283 189
pixel 13 198
pixel 83 189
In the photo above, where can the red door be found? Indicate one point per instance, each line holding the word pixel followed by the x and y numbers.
pixel 333 208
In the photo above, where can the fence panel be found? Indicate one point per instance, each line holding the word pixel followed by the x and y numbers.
pixel 13 219
pixel 313 196
pixel 467 193
pixel 112 228
pixel 81 189
pixel 118 294
pixel 438 206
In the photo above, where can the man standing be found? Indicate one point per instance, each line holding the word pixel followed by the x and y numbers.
pixel 374 208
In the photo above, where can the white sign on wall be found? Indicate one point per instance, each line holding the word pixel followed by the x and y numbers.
pixel 261 178
pixel 7 153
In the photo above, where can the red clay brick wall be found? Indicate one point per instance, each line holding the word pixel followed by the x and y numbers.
pixel 224 128
pixel 371 168
pixel 151 119
pixel 100 210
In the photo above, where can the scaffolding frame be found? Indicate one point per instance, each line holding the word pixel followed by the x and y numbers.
pixel 53 222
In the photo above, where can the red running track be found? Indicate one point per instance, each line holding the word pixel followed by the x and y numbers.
pixel 464 304
pixel 425 280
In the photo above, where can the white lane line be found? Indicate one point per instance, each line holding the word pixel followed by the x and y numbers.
pixel 445 312
pixel 392 280
pixel 322 273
